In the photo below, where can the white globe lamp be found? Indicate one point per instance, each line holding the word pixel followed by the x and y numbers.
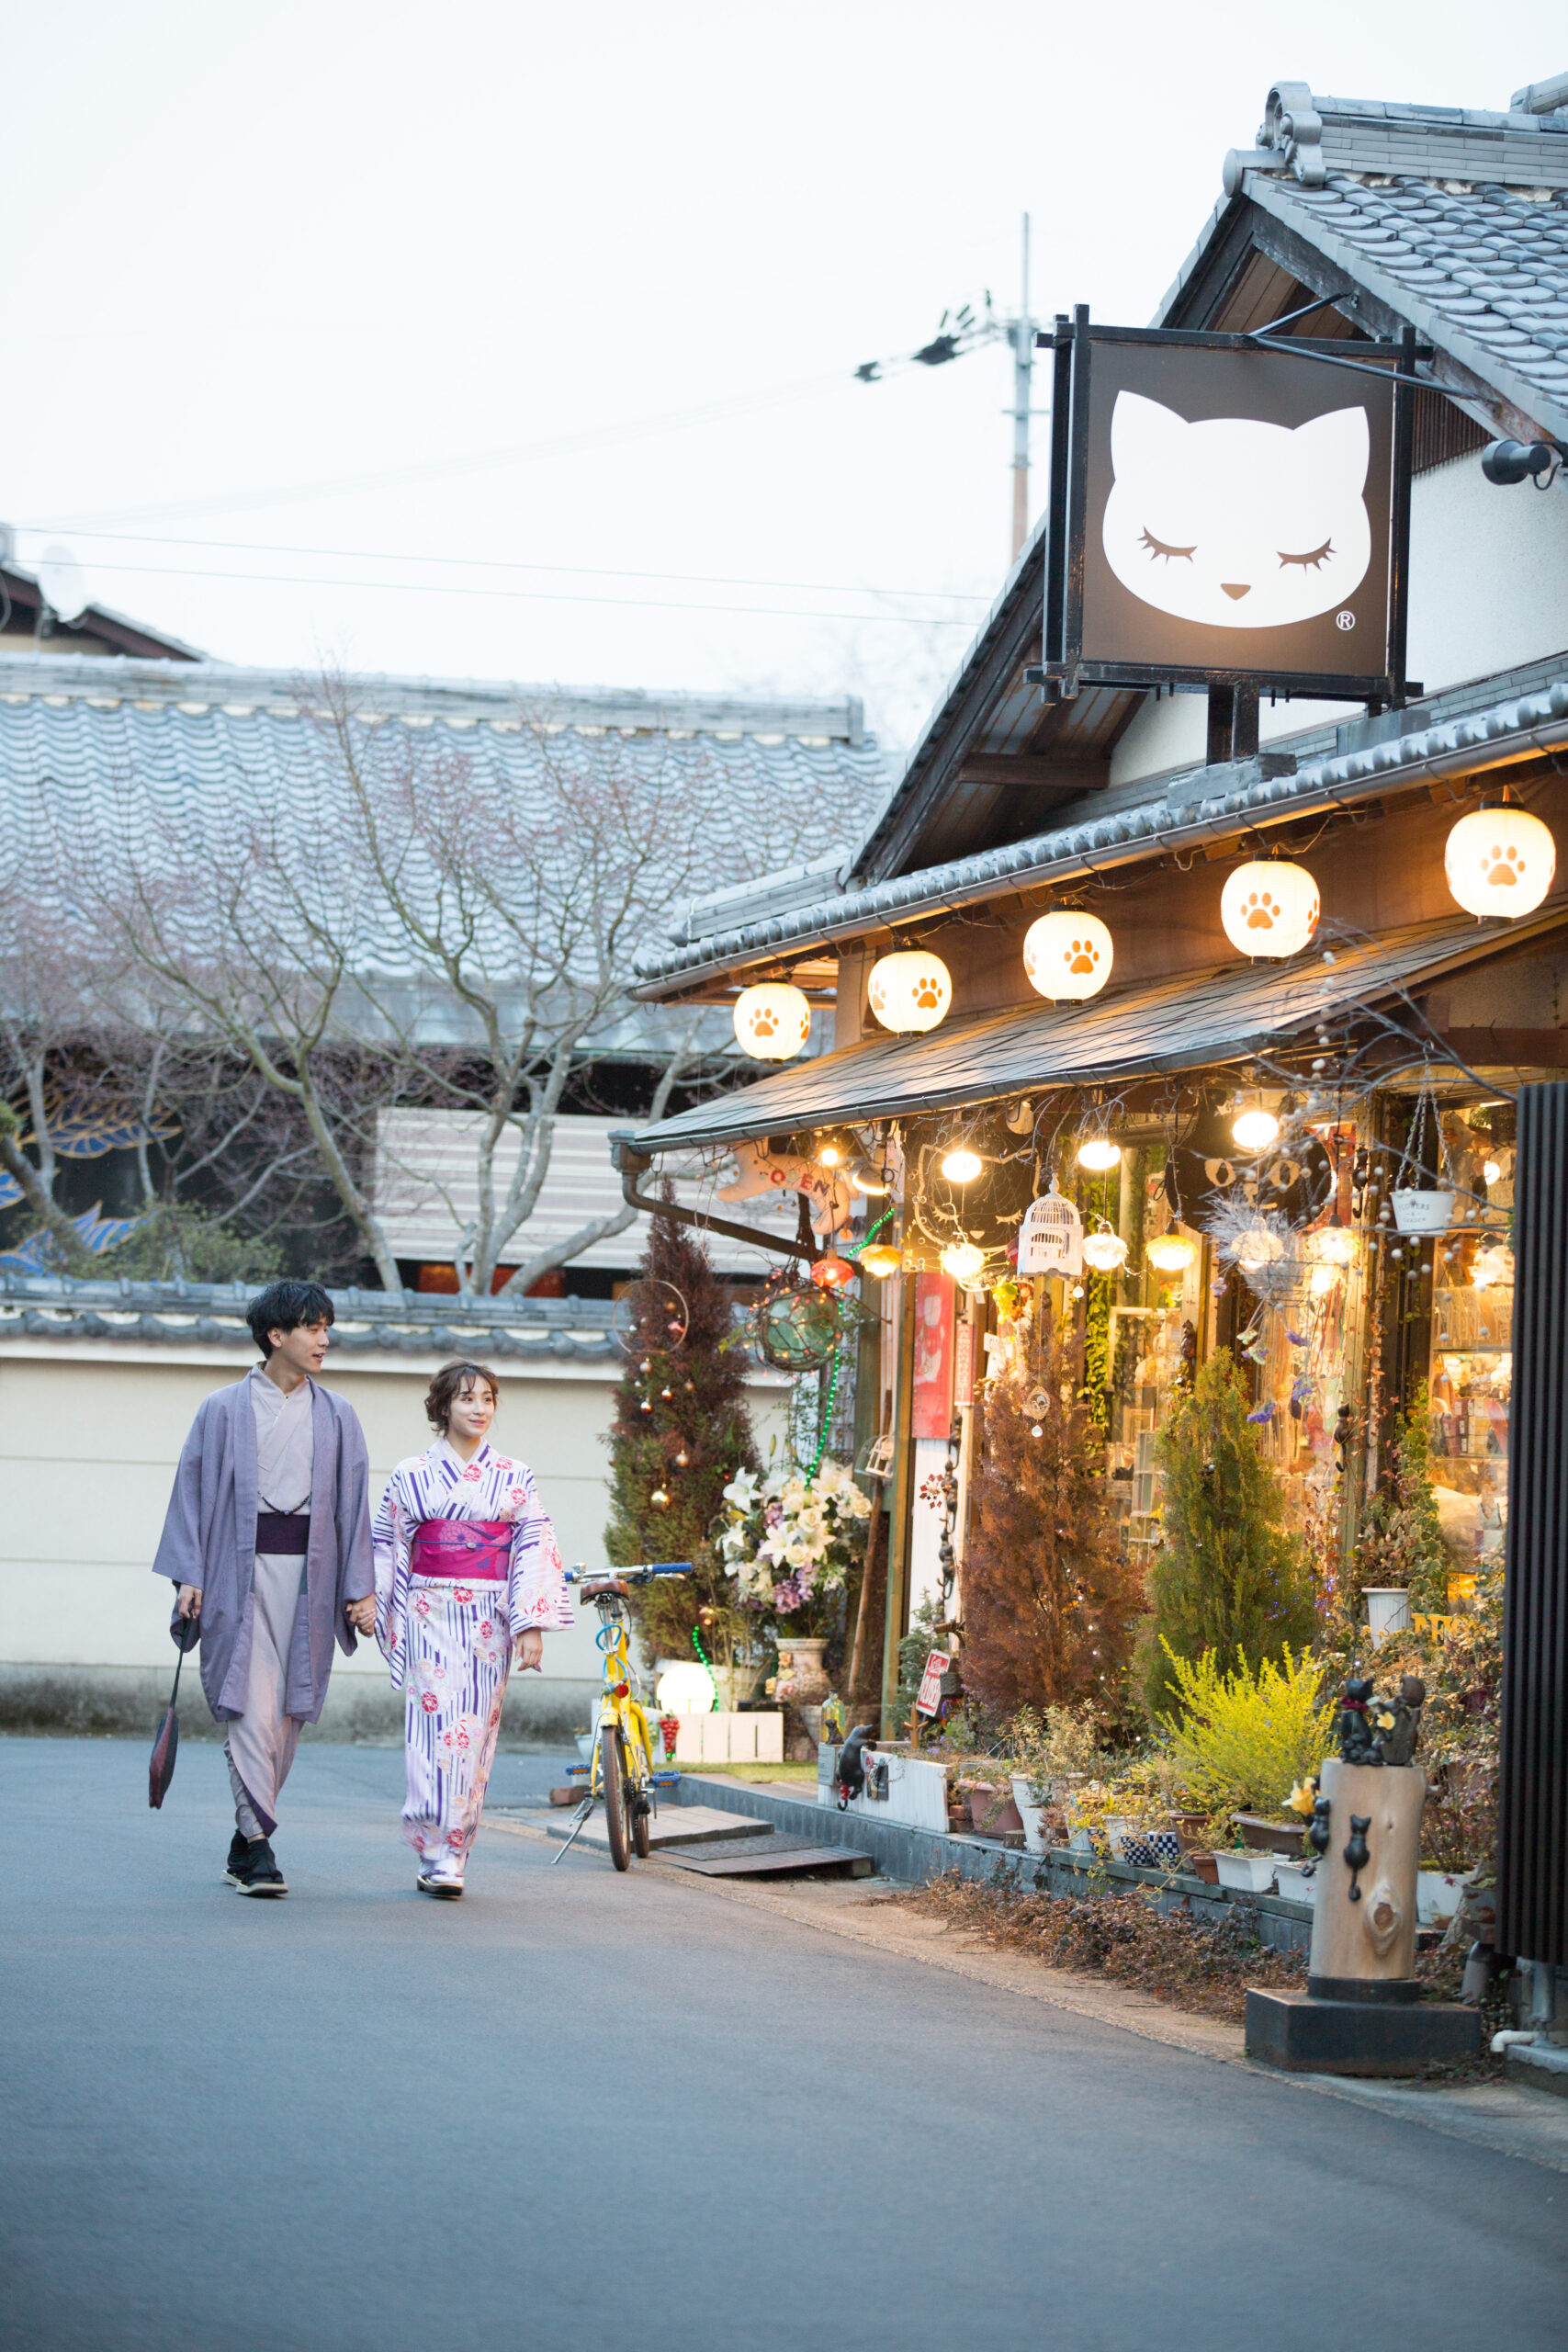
pixel 1067 956
pixel 1269 907
pixel 772 1021
pixel 1499 862
pixel 910 991
pixel 684 1691
pixel 1099 1154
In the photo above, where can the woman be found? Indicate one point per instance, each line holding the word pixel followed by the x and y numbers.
pixel 467 1567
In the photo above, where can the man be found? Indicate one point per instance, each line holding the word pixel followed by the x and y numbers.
pixel 268 1540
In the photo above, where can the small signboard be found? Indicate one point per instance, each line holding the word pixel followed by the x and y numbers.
pixel 929 1700
pixel 964 1365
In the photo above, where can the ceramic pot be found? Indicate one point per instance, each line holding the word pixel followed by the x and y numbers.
pixel 800 1676
pixel 1388 1609
pixel 1031 1815
pixel 1264 1835
pixel 1292 1880
pixel 1248 1873
pixel 994 1813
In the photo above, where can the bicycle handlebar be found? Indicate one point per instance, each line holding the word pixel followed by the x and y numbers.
pixel 640 1573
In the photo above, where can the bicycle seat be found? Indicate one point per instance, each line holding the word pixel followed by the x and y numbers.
pixel 606 1589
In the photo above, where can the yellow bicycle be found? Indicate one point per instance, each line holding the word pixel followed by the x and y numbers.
pixel 621 1769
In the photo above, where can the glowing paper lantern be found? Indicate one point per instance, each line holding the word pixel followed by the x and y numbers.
pixel 1067 956
pixel 1104 1250
pixel 684 1691
pixel 962 1165
pixel 832 1272
pixel 962 1260
pixel 772 1021
pixel 1255 1130
pixel 1334 1246
pixel 1269 907
pixel 910 991
pixel 1170 1252
pixel 1499 862
pixel 882 1260
pixel 1098 1152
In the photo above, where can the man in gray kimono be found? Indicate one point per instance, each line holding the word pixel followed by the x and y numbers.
pixel 267 1538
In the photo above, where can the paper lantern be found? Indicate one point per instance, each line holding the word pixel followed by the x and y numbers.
pixel 1067 956
pixel 1098 1153
pixel 1104 1250
pixel 1269 907
pixel 1170 1252
pixel 772 1021
pixel 882 1260
pixel 1255 1130
pixel 1499 862
pixel 684 1691
pixel 962 1260
pixel 962 1165
pixel 910 991
pixel 832 1272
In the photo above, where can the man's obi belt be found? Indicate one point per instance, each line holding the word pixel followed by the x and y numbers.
pixel 283 1532
pixel 465 1549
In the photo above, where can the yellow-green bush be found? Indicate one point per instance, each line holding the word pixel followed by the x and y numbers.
pixel 1246 1737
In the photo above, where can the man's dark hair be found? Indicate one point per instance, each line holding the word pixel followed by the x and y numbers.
pixel 283 1306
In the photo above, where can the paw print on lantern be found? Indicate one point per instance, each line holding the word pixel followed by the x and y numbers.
pixel 927 994
pixel 764 1022
pixel 1504 865
pixel 1082 956
pixel 1260 910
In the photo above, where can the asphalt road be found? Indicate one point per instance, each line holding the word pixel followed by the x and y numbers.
pixel 581 2110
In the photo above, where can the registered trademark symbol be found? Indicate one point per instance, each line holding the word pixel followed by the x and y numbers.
pixel 1344 620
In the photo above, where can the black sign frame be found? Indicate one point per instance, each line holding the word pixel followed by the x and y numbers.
pixel 1067 666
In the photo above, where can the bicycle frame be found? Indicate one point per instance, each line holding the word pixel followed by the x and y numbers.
pixel 618 1702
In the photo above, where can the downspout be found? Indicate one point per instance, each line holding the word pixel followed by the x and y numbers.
pixel 633 1163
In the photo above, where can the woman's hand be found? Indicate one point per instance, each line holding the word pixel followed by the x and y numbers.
pixel 189 1601
pixel 361 1614
pixel 530 1647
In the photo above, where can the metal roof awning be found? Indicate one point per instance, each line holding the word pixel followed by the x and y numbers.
pixel 1184 1023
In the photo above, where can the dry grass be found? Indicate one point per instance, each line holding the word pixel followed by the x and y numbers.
pixel 1123 1938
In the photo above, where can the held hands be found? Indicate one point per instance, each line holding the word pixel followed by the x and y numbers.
pixel 361 1614
pixel 531 1648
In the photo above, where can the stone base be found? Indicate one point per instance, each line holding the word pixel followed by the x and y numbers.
pixel 1307 2037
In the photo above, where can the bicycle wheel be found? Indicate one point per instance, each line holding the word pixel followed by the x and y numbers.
pixel 611 1773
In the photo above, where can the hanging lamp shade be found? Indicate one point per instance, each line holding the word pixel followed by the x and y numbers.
pixel 1170 1252
pixel 1104 1250
pixel 1269 907
pixel 910 991
pixel 882 1259
pixel 772 1021
pixel 1255 1128
pixel 962 1260
pixel 832 1272
pixel 1499 862
pixel 1067 956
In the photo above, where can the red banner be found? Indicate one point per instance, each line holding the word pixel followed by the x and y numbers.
pixel 934 1296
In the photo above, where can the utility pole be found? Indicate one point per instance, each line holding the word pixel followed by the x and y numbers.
pixel 1020 334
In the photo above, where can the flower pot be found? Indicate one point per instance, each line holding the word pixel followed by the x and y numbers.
pixel 1188 1828
pixel 1388 1610
pixel 1418 1211
pixel 1247 1874
pixel 1264 1836
pixel 1202 1866
pixel 1033 1816
pixel 1297 1882
pixel 801 1680
pixel 994 1813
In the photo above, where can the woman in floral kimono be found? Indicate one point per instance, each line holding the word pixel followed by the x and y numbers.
pixel 467 1569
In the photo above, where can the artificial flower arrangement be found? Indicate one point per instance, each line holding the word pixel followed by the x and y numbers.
pixel 790 1540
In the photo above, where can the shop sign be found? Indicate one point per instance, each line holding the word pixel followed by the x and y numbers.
pixel 932 1392
pixel 928 1700
pixel 1226 513
pixel 1050 1240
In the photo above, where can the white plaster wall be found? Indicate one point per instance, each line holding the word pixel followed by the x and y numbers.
pixel 90 1431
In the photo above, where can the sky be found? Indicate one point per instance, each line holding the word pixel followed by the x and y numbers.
pixel 517 342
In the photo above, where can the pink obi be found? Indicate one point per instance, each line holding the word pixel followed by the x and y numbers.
pixel 466 1550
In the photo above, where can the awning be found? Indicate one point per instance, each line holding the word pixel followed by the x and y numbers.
pixel 1184 1022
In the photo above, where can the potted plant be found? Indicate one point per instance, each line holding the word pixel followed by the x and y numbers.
pixel 788 1543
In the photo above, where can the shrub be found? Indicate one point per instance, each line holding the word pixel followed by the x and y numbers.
pixel 1246 1738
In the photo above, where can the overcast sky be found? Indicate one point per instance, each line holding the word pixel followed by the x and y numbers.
pixel 255 256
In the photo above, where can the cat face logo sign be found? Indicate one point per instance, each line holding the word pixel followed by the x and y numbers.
pixel 1220 514
pixel 1234 523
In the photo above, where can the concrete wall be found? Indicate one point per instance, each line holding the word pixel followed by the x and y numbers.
pixel 90 1431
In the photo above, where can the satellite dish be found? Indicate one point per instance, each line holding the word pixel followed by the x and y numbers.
pixel 64 582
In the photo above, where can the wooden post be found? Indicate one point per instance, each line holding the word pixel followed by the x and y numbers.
pixel 1367 1940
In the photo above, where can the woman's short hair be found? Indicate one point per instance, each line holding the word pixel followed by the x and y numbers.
pixel 283 1306
pixel 445 1385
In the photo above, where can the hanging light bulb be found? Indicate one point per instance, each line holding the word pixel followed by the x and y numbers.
pixel 910 991
pixel 836 1151
pixel 1170 1252
pixel 1324 1278
pixel 1269 907
pixel 882 1259
pixel 1490 1172
pixel 1104 1250
pixel 1254 1129
pixel 1499 862
pixel 962 1260
pixel 1334 1246
pixel 772 1021
pixel 832 1272
pixel 1067 956
pixel 961 1165
pixel 1099 1153
pixel 865 1178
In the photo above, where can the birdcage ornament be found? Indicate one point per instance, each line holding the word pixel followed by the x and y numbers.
pixel 1050 1240
pixel 878 1463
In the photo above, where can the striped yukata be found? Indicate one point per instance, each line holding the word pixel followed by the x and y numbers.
pixel 466 1560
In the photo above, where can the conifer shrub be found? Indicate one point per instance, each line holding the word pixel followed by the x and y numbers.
pixel 1231 1578
pixel 1401 1540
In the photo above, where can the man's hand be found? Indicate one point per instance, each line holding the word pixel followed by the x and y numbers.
pixel 361 1614
pixel 530 1647
pixel 189 1601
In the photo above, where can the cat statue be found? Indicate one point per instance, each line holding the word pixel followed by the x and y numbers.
pixel 1232 522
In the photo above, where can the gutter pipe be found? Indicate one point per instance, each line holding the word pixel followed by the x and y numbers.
pixel 632 1163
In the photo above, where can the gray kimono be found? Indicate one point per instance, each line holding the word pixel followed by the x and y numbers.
pixel 209 1539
